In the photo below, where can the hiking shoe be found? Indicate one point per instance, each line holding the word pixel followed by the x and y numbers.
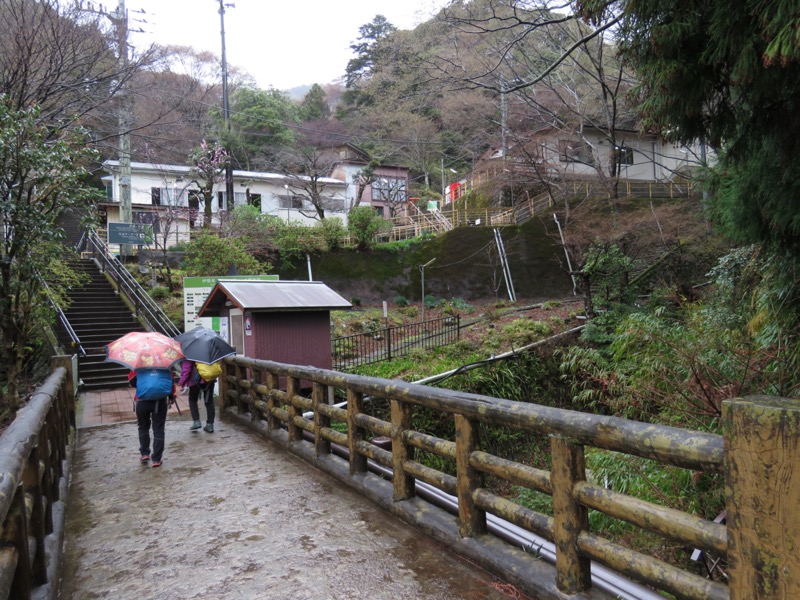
pixel 144 458
pixel 195 425
pixel 156 463
pixel 209 427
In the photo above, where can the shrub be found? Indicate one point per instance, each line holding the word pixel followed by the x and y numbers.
pixel 159 293
pixel 460 304
pixel 355 301
pixel 363 224
pixel 410 311
pixel 431 302
pixel 208 255
pixel 400 301
pixel 521 332
pixel 333 232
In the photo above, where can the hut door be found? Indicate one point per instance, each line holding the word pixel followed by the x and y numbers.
pixel 237 330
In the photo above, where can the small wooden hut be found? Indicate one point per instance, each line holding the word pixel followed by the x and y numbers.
pixel 284 321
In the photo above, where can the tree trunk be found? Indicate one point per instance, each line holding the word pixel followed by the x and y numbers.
pixel 208 196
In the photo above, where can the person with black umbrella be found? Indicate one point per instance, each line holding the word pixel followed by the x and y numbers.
pixel 197 385
pixel 202 347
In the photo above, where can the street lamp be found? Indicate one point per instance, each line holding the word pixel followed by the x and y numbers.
pixel 226 113
pixel 422 270
pixel 288 201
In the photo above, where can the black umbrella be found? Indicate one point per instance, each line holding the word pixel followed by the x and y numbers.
pixel 204 345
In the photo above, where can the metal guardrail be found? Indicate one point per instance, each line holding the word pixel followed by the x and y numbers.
pixel 75 341
pixel 268 397
pixel 35 456
pixel 144 307
pixel 393 342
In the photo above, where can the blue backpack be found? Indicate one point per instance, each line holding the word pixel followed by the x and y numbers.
pixel 153 384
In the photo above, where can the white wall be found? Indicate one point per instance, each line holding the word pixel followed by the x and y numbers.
pixel 176 179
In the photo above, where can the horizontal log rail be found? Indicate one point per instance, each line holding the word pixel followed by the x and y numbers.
pixel 249 391
pixel 35 454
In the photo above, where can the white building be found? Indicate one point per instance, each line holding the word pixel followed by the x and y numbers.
pixel 158 189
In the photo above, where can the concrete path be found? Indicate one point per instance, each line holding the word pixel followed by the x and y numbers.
pixel 230 515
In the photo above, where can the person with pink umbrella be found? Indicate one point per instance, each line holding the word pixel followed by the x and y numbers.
pixel 150 356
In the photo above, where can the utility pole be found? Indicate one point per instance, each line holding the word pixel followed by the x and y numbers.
pixel 225 107
pixel 125 119
pixel 119 20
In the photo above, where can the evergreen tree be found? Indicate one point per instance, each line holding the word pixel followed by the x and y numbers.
pixel 315 105
pixel 726 72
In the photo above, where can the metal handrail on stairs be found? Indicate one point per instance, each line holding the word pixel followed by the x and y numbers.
pixel 144 307
pixel 62 319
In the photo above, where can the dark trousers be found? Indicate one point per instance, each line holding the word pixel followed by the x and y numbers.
pixel 207 391
pixel 155 412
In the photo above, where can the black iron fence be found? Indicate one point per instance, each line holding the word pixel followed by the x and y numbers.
pixel 393 342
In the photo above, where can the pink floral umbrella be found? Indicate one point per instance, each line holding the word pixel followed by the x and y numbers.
pixel 144 349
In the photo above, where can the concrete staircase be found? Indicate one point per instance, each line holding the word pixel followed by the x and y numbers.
pixel 98 316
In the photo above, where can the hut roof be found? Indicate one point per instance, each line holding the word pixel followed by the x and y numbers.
pixel 271 296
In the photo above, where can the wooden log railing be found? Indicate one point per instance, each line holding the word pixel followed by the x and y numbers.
pixel 756 436
pixel 35 454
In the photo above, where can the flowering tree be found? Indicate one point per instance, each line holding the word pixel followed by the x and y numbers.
pixel 208 167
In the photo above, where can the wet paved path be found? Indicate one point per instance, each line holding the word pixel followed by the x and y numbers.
pixel 230 515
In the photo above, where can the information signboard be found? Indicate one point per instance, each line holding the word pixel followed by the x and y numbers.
pixel 138 234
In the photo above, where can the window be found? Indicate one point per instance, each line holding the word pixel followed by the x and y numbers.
pixel 625 155
pixel 148 218
pixel 194 207
pixel 239 198
pixel 389 188
pixel 168 196
pixel 293 202
pixel 574 151
pixel 254 200
pixel 379 211
pixel 333 204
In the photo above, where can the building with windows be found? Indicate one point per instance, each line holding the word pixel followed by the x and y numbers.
pixel 168 197
pixel 384 187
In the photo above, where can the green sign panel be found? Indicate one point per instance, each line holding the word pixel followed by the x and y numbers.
pixel 138 234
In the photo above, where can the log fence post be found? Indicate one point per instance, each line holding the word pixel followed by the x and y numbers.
pixel 762 483
pixel 322 446
pixel 240 374
pixel 571 518
pixel 355 434
pixel 404 487
pixel 273 384
pixel 471 520
pixel 292 388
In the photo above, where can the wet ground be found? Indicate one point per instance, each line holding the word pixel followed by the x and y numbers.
pixel 229 516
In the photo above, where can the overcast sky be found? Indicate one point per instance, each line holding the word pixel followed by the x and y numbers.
pixel 281 43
